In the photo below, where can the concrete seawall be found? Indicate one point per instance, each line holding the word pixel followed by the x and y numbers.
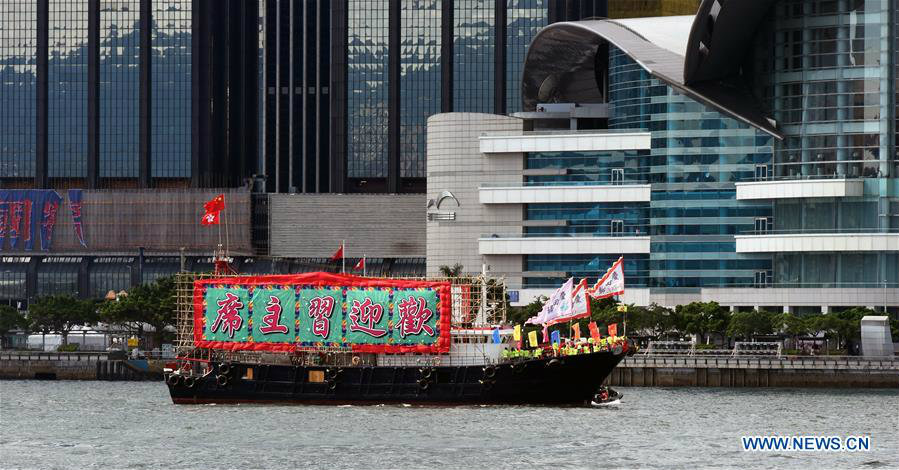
pixel 76 366
pixel 812 372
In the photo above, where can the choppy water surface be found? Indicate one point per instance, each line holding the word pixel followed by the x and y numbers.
pixel 52 425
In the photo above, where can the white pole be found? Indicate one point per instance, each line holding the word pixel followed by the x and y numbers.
pixel 343 256
pixel 364 266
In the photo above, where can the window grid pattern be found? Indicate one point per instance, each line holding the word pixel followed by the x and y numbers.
pixel 367 88
pixel 119 88
pixel 109 276
pixel 697 155
pixel 584 266
pixel 67 89
pixel 419 80
pixel 57 279
pixel 593 167
pixel 524 19
pixel 830 87
pixel 13 280
pixel 18 87
pixel 170 52
pixel 474 49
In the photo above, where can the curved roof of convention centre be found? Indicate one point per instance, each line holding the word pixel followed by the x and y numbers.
pixel 564 62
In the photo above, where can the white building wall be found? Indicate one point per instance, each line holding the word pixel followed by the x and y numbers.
pixel 456 164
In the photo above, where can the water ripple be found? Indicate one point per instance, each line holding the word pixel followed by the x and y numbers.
pixel 94 425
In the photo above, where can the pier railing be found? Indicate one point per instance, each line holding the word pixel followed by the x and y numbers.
pixel 763 362
pixel 55 356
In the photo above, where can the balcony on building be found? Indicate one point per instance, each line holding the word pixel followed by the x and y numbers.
pixel 793 188
pixel 562 244
pixel 564 141
pixel 563 192
pixel 818 241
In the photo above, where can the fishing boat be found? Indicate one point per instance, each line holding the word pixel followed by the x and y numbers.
pixel 323 338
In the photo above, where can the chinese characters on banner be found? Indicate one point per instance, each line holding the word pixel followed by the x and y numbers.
pixel 301 311
pixel 31 214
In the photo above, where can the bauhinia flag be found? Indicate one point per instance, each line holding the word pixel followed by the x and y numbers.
pixel 612 283
pixel 580 306
pixel 558 305
pixel 360 265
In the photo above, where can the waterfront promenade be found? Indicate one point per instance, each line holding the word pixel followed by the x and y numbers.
pixel 763 371
pixel 655 370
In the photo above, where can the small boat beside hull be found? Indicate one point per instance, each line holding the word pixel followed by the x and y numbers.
pixel 564 380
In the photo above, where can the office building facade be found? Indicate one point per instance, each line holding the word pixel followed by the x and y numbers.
pixel 746 155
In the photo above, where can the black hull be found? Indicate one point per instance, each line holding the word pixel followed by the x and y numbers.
pixel 557 381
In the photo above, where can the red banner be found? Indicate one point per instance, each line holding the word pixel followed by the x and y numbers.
pixel 322 310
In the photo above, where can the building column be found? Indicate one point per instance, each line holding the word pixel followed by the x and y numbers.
pixel 499 58
pixel 93 94
pixel 393 98
pixel 446 57
pixel 41 179
pixel 338 95
pixel 199 91
pixel 145 78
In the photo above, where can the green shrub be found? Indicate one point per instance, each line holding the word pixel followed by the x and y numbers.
pixel 71 347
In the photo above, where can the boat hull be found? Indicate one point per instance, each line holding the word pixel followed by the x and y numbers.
pixel 564 380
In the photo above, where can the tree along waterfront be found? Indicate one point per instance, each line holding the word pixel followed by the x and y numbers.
pixel 715 326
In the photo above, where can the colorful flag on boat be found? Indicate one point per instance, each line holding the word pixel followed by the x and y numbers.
pixel 360 265
pixel 555 337
pixel 532 339
pixel 594 331
pixel 496 338
pixel 516 333
pixel 612 283
pixel 576 330
pixel 558 305
pixel 613 329
pixel 580 305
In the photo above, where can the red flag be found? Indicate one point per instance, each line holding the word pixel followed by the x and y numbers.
pixel 613 329
pixel 215 204
pixel 577 330
pixel 360 265
pixel 594 331
pixel 213 207
pixel 210 218
pixel 338 255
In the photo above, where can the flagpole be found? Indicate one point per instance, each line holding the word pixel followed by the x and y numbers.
pixel 343 256
pixel 364 267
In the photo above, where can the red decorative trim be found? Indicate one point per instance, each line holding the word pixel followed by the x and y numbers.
pixel 321 279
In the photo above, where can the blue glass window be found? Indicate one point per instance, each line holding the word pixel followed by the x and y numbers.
pixel 367 88
pixel 18 68
pixel 67 89
pixel 524 18
pixel 419 80
pixel 474 23
pixel 171 80
pixel 119 88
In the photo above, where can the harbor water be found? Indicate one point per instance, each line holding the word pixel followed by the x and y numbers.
pixel 119 425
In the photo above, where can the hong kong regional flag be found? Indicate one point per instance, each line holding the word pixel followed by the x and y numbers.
pixel 213 207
